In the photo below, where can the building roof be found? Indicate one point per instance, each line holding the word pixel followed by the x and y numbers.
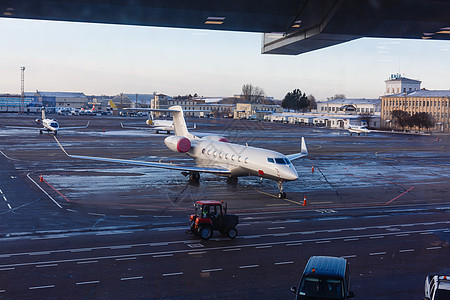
pixel 351 101
pixel 61 94
pixel 398 77
pixel 424 93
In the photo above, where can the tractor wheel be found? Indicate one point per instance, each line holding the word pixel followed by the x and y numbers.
pixel 193 227
pixel 205 232
pixel 232 232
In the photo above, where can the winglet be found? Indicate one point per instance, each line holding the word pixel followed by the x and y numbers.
pixel 304 150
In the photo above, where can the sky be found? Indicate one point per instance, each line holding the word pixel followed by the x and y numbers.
pixel 100 59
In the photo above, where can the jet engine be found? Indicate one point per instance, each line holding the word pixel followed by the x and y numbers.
pixel 149 122
pixel 216 138
pixel 38 121
pixel 178 143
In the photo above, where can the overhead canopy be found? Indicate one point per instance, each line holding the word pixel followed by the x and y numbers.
pixel 290 26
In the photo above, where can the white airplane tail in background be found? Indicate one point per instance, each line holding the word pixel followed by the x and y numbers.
pixel 179 123
pixel 43 113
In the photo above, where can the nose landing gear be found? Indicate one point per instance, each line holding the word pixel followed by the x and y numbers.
pixel 281 194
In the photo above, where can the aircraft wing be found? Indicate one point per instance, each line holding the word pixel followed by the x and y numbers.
pixel 68 128
pixel 26 127
pixel 148 163
pixel 139 128
pixel 303 151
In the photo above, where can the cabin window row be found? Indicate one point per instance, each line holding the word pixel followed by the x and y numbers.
pixel 224 155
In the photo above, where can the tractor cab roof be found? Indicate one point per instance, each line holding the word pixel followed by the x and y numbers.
pixel 209 202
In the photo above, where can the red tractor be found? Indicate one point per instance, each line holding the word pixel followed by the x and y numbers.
pixel 211 215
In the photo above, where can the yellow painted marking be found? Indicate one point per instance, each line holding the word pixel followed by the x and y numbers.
pixel 285 199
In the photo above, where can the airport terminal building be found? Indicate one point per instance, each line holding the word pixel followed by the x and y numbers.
pixel 436 103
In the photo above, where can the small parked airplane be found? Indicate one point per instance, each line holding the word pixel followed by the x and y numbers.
pixel 216 155
pixel 49 125
pixel 156 125
pixel 357 129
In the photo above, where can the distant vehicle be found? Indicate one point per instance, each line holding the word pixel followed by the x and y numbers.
pixel 357 129
pixel 49 125
pixel 216 155
pixel 75 112
pixel 324 277
pixel 210 216
pixel 437 287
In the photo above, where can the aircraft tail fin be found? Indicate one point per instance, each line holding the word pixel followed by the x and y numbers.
pixel 179 123
pixel 43 113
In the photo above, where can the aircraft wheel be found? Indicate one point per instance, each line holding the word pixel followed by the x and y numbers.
pixel 232 233
pixel 40 131
pixel 205 232
pixel 281 195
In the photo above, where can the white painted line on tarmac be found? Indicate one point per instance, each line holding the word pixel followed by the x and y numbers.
pixel 400 235
pixel 284 263
pixel 233 249
pixel 172 274
pixel 248 266
pixel 2 291
pixel 41 287
pixel 87 262
pixel 282 234
pixel 426 233
pixel 197 253
pixel 263 247
pixel 88 282
pixel 377 253
pixel 7 269
pixel 349 256
pixel 4 198
pixel 132 278
pixel 121 247
pixel 126 258
pixel 211 270
pixel 51 198
pixel 274 228
pixel 376 237
pixel 9 206
pixel 39 253
pixel 45 266
pixel 294 244
pixel 323 242
pixel 406 250
pixel 433 248
pixel 163 255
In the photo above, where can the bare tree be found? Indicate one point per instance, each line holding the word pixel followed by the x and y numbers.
pixel 252 94
pixel 312 102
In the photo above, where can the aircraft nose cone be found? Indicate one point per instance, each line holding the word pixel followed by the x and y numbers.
pixel 291 174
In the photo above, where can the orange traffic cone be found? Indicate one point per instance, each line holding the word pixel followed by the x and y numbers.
pixel 312 169
pixel 41 179
pixel 304 201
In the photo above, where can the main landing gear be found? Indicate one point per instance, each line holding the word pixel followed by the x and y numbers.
pixel 281 194
pixel 194 177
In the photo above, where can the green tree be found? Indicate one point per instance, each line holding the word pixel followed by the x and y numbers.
pixel 295 100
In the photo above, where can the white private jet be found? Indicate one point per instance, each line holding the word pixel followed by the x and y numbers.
pixel 156 125
pixel 49 125
pixel 357 129
pixel 216 155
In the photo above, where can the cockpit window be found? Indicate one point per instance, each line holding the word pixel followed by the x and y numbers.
pixel 280 161
pixel 54 125
pixel 270 160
